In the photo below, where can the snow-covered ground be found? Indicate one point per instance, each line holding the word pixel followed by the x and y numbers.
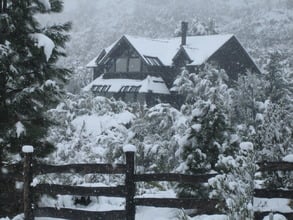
pixel 146 213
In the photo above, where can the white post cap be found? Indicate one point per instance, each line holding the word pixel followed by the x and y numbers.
pixel 129 148
pixel 27 149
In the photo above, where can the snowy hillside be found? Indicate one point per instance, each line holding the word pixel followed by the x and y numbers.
pixel 262 26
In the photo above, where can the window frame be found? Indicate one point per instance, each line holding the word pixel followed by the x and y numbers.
pixel 139 62
pixel 128 64
pixel 126 67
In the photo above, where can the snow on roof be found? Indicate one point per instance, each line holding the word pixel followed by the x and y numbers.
pixel 164 49
pixel 198 48
pixel 93 62
pixel 150 83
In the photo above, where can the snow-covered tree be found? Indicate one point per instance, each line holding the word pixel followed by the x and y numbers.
pixel 157 134
pixel 248 99
pixel 234 186
pixel 31 81
pixel 263 113
pixel 279 86
pixel 89 129
pixel 197 28
pixel 209 124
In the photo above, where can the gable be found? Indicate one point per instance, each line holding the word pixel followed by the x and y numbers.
pixel 233 58
pixel 123 48
pixel 181 58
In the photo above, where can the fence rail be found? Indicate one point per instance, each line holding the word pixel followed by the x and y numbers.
pixel 170 177
pixel 128 190
pixel 273 193
pixel 54 189
pixel 80 168
pixel 275 166
pixel 260 215
pixel 75 214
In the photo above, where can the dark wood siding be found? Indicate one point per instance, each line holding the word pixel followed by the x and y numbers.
pixel 233 59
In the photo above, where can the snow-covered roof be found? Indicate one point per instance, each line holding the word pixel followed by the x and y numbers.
pixel 93 62
pixel 198 48
pixel 149 84
pixel 201 48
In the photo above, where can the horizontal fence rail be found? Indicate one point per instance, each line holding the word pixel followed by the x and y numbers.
pixel 74 214
pixel 80 168
pixel 275 166
pixel 273 193
pixel 54 189
pixel 261 215
pixel 180 178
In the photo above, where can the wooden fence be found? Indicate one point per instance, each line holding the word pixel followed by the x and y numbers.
pixel 128 190
pixel 273 193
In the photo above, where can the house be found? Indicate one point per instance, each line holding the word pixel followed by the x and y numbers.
pixel 143 69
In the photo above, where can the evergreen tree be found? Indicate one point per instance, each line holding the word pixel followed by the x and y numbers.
pixel 198 28
pixel 234 185
pixel 31 81
pixel 156 135
pixel 263 114
pixel 248 99
pixel 279 86
pixel 209 131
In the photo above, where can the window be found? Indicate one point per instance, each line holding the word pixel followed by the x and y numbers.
pixel 134 65
pixel 121 65
pixel 100 88
pixel 105 88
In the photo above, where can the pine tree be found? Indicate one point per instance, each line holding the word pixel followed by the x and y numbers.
pixel 31 81
pixel 209 131
pixel 198 28
pixel 156 135
pixel 234 185
pixel 263 112
pixel 279 86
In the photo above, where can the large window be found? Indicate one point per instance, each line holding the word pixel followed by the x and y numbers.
pixel 131 64
pixel 134 65
pixel 121 65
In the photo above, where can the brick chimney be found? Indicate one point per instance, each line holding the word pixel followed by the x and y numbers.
pixel 184 27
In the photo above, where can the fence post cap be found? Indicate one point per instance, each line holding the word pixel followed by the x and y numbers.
pixel 27 149
pixel 129 148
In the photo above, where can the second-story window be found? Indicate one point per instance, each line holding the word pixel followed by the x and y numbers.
pixel 121 64
pixel 131 64
pixel 134 65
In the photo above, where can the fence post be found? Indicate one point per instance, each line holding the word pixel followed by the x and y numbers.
pixel 27 179
pixel 129 181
